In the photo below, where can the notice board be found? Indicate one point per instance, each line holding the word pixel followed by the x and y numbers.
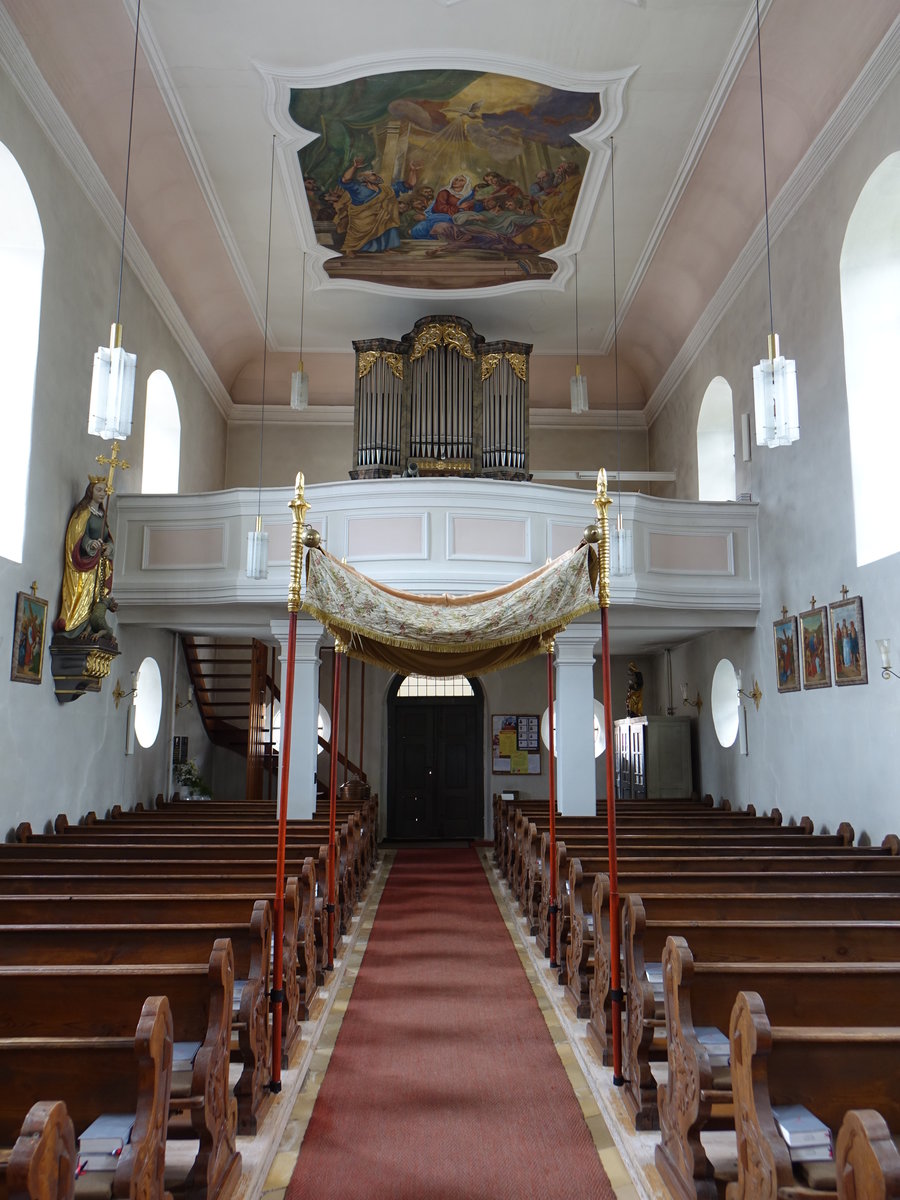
pixel 515 744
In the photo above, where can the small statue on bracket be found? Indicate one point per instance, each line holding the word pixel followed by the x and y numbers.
pixel 634 695
pixel 86 594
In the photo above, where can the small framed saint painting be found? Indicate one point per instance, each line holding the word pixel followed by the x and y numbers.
pixel 787 671
pixel 848 640
pixel 28 638
pixel 814 657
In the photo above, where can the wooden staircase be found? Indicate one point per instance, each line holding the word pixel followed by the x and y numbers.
pixel 235 690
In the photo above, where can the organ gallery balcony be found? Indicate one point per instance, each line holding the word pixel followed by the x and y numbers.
pixel 180 559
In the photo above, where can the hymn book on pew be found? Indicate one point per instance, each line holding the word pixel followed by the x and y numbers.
pixel 103 1141
pixel 716 1043
pixel 808 1138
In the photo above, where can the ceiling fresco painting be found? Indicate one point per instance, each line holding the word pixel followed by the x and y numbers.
pixel 442 179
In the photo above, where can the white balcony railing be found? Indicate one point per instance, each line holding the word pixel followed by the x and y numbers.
pixel 180 559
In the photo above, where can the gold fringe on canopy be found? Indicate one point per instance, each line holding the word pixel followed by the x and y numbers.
pixel 449 635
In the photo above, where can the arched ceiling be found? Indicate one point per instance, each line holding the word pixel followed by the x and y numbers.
pixel 675 81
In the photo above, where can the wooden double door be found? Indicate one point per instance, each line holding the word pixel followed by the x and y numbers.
pixel 435 769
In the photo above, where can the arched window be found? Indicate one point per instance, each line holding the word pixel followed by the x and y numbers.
pixel 21 275
pixel 870 305
pixel 162 436
pixel 429 686
pixel 715 443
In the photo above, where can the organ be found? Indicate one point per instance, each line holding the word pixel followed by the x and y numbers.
pixel 441 401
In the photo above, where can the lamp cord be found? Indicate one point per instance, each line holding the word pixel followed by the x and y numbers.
pixel 577 355
pixel 262 416
pixel 137 26
pixel 612 188
pixel 302 297
pixel 762 122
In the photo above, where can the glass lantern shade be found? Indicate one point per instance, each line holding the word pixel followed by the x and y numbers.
pixel 775 402
pixel 112 393
pixel 299 389
pixel 257 554
pixel 621 552
pixel 578 391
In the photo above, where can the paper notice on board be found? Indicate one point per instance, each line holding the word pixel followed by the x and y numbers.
pixel 507 745
pixel 518 762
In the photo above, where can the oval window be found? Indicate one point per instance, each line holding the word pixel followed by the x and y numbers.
pixel 147 702
pixel 724 703
pixel 324 727
pixel 599 729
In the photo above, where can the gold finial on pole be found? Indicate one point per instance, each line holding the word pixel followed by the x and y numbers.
pixel 602 502
pixel 112 462
pixel 301 535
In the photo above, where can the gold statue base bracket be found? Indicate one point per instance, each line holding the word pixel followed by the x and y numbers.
pixel 80 666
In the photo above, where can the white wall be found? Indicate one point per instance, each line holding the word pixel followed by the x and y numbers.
pixel 71 757
pixel 828 753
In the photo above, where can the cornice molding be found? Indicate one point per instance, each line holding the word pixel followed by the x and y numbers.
pixel 873 79
pixel 342 415
pixel 72 150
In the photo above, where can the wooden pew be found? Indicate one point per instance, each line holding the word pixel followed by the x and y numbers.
pixel 866 1158
pixel 83 906
pixel 828 1070
pixel 221 860
pixel 700 882
pixel 101 1001
pixel 41 1164
pixel 792 940
pixel 98 1075
pixel 30 945
pixel 701 849
pixel 580 966
pixel 700 994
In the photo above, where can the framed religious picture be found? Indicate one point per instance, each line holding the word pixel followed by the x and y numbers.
pixel 787 670
pixel 848 641
pixel 28 638
pixel 815 663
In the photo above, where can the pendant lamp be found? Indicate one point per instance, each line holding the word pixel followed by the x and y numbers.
pixel 258 539
pixel 774 377
pixel 299 378
pixel 112 381
pixel 577 384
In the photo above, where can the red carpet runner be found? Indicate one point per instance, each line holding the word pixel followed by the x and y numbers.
pixel 444 1083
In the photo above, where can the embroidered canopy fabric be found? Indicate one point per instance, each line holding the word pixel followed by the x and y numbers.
pixel 449 635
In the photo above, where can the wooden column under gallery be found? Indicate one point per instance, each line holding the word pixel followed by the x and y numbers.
pixel 441 401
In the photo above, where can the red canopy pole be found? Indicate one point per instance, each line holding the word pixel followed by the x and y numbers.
pixel 332 805
pixel 602 504
pixel 554 908
pixel 298 509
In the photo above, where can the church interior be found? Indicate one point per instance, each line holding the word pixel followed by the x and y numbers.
pixel 485 436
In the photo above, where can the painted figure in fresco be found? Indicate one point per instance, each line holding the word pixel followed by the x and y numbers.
pixel 634 695
pixel 457 196
pixel 372 216
pixel 87 567
pixel 497 187
pixel 499 227
pixel 543 182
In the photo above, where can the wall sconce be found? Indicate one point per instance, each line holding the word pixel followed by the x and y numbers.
pixel 180 704
pixel 685 699
pixel 119 694
pixel 884 648
pixel 755 694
